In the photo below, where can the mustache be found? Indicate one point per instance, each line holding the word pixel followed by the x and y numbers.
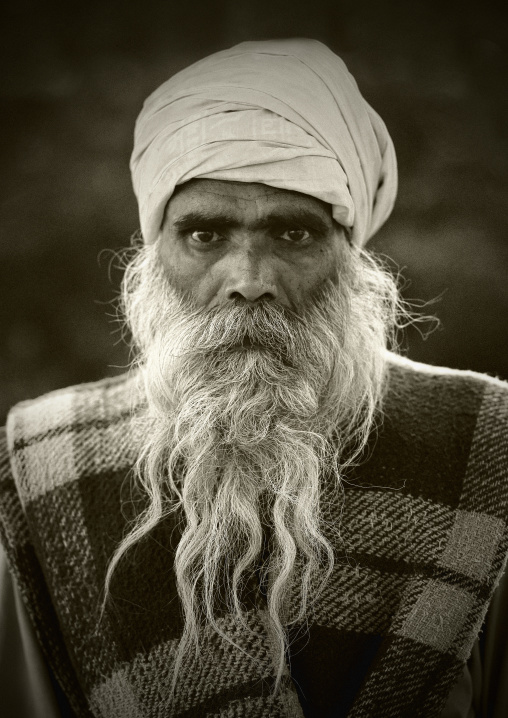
pixel 265 324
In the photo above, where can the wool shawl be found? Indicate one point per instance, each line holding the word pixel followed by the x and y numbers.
pixel 424 529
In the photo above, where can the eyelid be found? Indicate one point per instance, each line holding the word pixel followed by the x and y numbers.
pixel 276 233
pixel 310 234
pixel 192 230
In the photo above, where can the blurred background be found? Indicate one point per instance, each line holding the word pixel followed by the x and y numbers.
pixel 74 78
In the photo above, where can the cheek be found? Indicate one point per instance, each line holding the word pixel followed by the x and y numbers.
pixel 176 272
pixel 189 278
pixel 313 273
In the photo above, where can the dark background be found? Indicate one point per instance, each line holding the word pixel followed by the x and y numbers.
pixel 74 78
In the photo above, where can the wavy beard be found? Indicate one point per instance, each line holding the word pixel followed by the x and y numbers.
pixel 248 408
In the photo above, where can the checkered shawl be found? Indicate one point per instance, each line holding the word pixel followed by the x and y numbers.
pixel 425 538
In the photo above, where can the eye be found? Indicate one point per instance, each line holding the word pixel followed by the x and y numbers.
pixel 204 236
pixel 296 236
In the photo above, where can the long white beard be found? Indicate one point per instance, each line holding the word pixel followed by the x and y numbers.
pixel 247 408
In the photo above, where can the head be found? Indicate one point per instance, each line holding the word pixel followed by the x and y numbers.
pixel 261 327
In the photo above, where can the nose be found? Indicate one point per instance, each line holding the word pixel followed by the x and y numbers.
pixel 251 277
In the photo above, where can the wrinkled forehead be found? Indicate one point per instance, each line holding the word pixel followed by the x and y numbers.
pixel 243 199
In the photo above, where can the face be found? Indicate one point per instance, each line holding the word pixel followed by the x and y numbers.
pixel 239 435
pixel 233 240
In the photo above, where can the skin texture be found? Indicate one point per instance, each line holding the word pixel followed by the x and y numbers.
pixel 223 241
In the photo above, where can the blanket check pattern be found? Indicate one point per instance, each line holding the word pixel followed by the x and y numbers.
pixel 423 543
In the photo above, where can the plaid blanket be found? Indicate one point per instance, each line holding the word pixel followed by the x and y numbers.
pixel 425 530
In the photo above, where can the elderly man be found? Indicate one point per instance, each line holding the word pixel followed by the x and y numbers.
pixel 271 514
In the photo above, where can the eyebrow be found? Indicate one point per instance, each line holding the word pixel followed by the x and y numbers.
pixel 275 219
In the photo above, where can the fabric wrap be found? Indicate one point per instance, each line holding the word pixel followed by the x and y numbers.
pixel 284 113
pixel 425 543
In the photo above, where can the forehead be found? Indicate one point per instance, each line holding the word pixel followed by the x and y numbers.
pixel 241 197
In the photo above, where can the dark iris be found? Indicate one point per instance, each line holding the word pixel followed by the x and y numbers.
pixel 201 235
pixel 296 235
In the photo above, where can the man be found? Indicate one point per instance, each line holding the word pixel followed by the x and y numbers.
pixel 271 515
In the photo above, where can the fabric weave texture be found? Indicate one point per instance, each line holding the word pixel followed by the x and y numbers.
pixel 425 540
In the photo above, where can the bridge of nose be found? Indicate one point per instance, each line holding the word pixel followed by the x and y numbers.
pixel 249 267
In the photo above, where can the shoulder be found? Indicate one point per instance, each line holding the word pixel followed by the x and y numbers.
pixel 405 373
pixel 434 394
pixel 438 426
pixel 70 433
pixel 93 401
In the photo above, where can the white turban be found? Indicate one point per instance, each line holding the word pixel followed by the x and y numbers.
pixel 286 113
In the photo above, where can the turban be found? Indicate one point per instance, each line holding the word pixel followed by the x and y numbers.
pixel 285 113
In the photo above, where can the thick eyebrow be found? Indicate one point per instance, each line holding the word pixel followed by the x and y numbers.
pixel 294 218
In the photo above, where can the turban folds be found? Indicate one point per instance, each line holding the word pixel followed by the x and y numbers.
pixel 285 113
